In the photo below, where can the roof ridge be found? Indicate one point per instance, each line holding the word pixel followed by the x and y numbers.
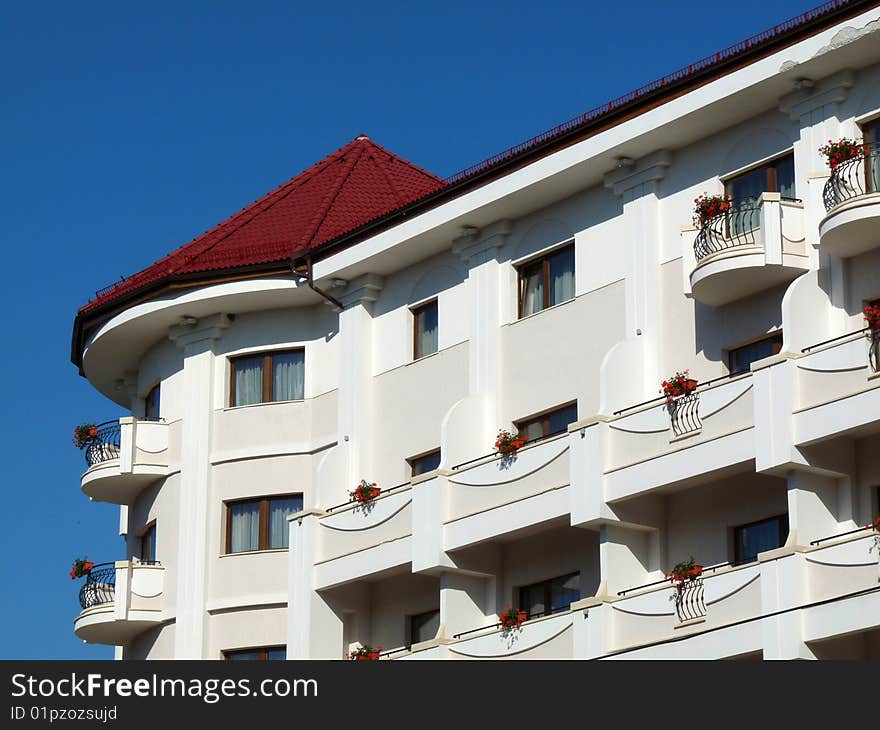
pixel 277 195
pixel 326 204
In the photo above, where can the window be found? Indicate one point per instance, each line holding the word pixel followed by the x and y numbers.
pixel 424 330
pixel 425 463
pixel 550 596
pixel 268 377
pixel 776 176
pixel 259 524
pixel 151 404
pixel 756 537
pixel 871 136
pixel 264 653
pixel 423 626
pixel 546 281
pixel 739 358
pixel 148 545
pixel 548 424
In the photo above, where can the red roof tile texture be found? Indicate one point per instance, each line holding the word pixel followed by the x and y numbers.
pixel 354 185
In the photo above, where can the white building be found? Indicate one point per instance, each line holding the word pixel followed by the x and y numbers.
pixel 367 320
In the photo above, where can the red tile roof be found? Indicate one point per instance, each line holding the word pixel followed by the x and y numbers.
pixel 347 189
pixel 362 185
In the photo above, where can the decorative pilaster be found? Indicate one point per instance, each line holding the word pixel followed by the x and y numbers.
pixel 637 183
pixel 479 250
pixel 355 405
pixel 197 339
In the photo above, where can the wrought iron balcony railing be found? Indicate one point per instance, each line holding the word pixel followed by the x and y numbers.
pixel 854 177
pixel 105 446
pixel 689 600
pixel 684 414
pixel 100 586
pixel 735 228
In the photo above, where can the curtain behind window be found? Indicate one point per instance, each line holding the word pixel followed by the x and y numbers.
pixel 288 381
pixel 245 532
pixel 426 330
pixel 248 381
pixel 279 509
pixel 533 290
pixel 562 276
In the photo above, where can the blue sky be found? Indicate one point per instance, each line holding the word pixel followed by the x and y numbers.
pixel 127 130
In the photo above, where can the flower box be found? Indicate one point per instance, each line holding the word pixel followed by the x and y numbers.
pixel 84 434
pixel 366 653
pixel 507 443
pixel 684 572
pixel 364 492
pixel 678 385
pixel 842 150
pixel 707 207
pixel 512 618
pixel 81 567
pixel 872 316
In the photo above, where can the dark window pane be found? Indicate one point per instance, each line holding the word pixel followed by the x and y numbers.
pixel 425 322
pixel 151 404
pixel 276 653
pixel 749 540
pixel 564 591
pixel 426 463
pixel 562 276
pixel 532 599
pixel 245 655
pixel 785 176
pixel 740 358
pixel 279 509
pixel 424 626
pixel 288 376
pixel 148 545
pixel 560 419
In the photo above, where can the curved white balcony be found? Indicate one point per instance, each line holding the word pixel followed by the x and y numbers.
pixel 119 601
pixel 752 248
pixel 125 458
pixel 852 200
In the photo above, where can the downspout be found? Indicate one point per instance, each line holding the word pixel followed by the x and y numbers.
pixel 309 277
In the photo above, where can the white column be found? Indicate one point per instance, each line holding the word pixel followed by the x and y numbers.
pixel 197 340
pixel 463 602
pixel 815 106
pixel 637 183
pixel 783 590
pixel 357 428
pixel 479 249
pixel 314 629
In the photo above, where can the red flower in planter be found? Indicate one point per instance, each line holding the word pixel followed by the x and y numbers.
pixel 707 207
pixel 875 525
pixel 364 492
pixel 872 315
pixel 366 653
pixel 84 434
pixel 685 571
pixel 678 385
pixel 508 443
pixel 842 150
pixel 81 567
pixel 512 618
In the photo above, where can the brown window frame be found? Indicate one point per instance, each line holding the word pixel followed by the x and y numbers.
pixel 157 388
pixel 263 651
pixel 544 262
pixel 149 530
pixel 415 315
pixel 268 371
pixel 772 183
pixel 263 537
pixel 784 527
pixel 544 419
pixel 776 335
pixel 547 585
pixel 413 459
